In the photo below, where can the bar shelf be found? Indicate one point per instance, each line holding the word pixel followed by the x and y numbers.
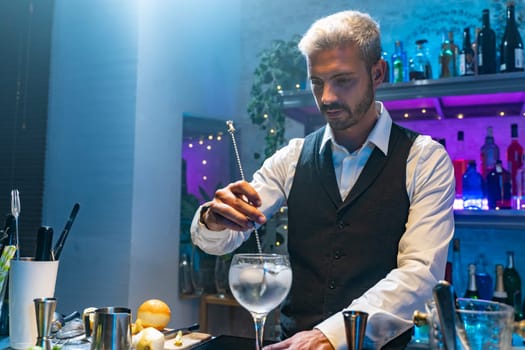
pixel 457 97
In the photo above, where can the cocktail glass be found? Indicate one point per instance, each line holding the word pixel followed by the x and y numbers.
pixel 260 282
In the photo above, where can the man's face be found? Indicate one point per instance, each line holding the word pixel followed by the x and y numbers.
pixel 342 86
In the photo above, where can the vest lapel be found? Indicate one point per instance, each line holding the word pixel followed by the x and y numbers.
pixel 326 173
pixel 373 168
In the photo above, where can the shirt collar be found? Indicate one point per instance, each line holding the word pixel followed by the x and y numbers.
pixel 379 136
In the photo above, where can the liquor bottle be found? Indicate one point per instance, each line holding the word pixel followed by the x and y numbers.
pixel 419 66
pixel 499 188
pixel 486 46
pixel 455 53
pixel 466 55
pixel 489 154
pixel 499 293
pixel 460 163
pixel 472 289
pixel 483 279
pixel 514 157
pixel 475 50
pixel 511 55
pixel 519 198
pixel 185 283
pixel 398 63
pixel 458 270
pixel 447 60
pixel 448 272
pixel 472 187
pixel 512 285
pixel 384 56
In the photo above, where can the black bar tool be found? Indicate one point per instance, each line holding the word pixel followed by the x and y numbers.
pixel 44 241
pixel 60 243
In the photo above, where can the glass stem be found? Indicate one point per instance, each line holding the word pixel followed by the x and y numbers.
pixel 259 320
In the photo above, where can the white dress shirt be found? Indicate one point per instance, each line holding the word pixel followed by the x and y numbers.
pixel 423 247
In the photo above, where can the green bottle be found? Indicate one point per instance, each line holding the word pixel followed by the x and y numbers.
pixel 472 289
pixel 512 285
pixel 398 63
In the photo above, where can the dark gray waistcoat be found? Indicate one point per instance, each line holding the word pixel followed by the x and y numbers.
pixel 339 249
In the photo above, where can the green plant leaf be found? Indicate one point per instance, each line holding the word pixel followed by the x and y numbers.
pixel 279 65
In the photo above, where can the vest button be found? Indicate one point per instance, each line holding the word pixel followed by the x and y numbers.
pixel 332 285
pixel 337 255
pixel 341 225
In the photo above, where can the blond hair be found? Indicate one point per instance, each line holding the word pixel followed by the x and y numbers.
pixel 342 29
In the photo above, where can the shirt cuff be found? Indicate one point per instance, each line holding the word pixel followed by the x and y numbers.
pixel 214 242
pixel 334 329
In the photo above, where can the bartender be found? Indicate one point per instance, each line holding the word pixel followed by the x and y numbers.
pixel 369 202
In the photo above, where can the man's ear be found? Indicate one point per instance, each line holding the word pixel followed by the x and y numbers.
pixel 378 72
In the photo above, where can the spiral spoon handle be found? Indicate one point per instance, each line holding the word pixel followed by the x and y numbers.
pixel 231 130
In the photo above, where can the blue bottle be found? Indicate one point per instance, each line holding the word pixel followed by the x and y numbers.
pixel 472 188
pixel 483 279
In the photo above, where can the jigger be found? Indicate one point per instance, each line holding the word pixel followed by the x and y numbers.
pixel 44 309
pixel 355 327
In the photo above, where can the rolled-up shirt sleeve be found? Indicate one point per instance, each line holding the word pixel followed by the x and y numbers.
pixel 422 255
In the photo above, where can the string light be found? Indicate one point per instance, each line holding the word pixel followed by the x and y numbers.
pixel 190 145
pixel 201 142
pixel 272 131
pixel 424 111
pixel 219 138
pixel 204 162
pixel 210 137
pixel 208 147
pixel 297 86
pixel 501 114
pixel 205 178
pixel 460 116
pixel 405 115
pixel 279 87
pixel 265 116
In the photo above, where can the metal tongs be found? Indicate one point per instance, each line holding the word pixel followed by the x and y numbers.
pixel 15 211
pixel 443 294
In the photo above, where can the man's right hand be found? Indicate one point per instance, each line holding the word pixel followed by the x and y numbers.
pixel 234 207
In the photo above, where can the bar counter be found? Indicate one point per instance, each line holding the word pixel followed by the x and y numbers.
pixel 229 342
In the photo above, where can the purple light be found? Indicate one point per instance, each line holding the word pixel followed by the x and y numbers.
pixel 207 166
pixel 468 106
pixel 467 101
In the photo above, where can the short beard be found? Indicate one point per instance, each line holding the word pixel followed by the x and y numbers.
pixel 354 116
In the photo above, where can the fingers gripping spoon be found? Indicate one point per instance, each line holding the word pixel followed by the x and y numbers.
pixel 231 130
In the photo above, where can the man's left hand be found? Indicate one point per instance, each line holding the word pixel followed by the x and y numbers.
pixel 306 340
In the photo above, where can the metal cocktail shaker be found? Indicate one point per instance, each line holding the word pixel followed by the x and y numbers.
pixel 44 309
pixel 111 329
pixel 355 327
